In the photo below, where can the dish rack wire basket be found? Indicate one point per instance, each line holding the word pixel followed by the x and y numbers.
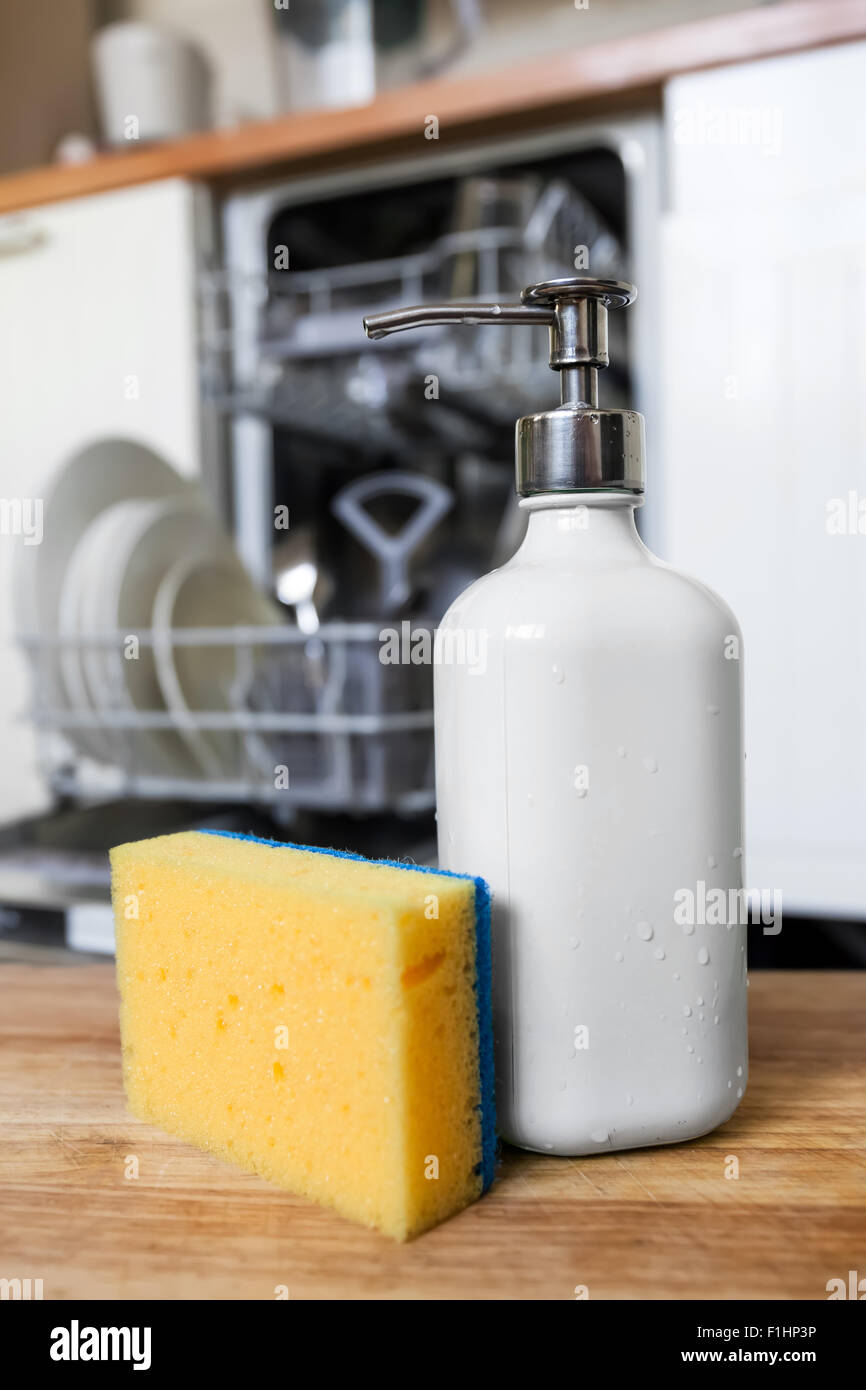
pixel 306 362
pixel 318 721
pixel 314 722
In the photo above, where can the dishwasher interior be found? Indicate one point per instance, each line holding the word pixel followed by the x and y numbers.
pixel 371 483
pixel 367 485
pixel 393 461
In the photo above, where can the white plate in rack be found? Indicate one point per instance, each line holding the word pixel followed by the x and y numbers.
pixel 94 479
pixel 84 574
pixel 140 544
pixel 209 588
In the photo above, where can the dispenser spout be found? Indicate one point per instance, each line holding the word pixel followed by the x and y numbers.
pixel 434 315
pixel 574 309
pixel 578 446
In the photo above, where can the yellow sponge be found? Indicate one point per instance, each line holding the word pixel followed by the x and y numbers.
pixel 320 1019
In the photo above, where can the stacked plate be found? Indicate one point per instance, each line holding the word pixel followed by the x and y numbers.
pixel 129 546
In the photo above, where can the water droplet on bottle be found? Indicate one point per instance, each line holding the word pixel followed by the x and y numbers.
pixel 650 763
pixel 687 1011
pixel 644 931
pixel 558 674
pixel 703 956
pixel 599 1136
pixel 712 709
pixel 622 751
pixel 712 861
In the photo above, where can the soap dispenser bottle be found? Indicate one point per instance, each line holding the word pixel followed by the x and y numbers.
pixel 589 765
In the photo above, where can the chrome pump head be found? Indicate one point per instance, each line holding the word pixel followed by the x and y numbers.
pixel 578 447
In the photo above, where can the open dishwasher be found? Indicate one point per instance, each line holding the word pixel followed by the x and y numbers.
pixel 365 490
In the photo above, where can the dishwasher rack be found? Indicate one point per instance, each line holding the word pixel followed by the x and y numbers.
pixel 307 722
pixel 312 364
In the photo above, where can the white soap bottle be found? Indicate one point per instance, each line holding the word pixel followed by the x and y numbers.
pixel 589 766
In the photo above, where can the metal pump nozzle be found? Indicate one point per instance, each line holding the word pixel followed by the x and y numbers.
pixel 579 446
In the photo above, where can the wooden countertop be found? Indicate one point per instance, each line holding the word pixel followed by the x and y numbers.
pixel 656 1223
pixel 571 84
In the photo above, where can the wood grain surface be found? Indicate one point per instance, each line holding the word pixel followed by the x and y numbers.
pixel 577 82
pixel 654 1223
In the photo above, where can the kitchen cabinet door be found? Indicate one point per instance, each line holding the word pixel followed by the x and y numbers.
pixel 763 466
pixel 97 340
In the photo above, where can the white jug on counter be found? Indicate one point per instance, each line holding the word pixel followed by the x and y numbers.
pixel 589 765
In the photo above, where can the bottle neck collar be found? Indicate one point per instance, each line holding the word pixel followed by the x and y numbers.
pixel 581 526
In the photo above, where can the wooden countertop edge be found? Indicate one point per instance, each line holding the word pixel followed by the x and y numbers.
pixel 573 83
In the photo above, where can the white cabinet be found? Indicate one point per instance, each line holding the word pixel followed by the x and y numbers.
pixel 97 340
pixel 764 437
